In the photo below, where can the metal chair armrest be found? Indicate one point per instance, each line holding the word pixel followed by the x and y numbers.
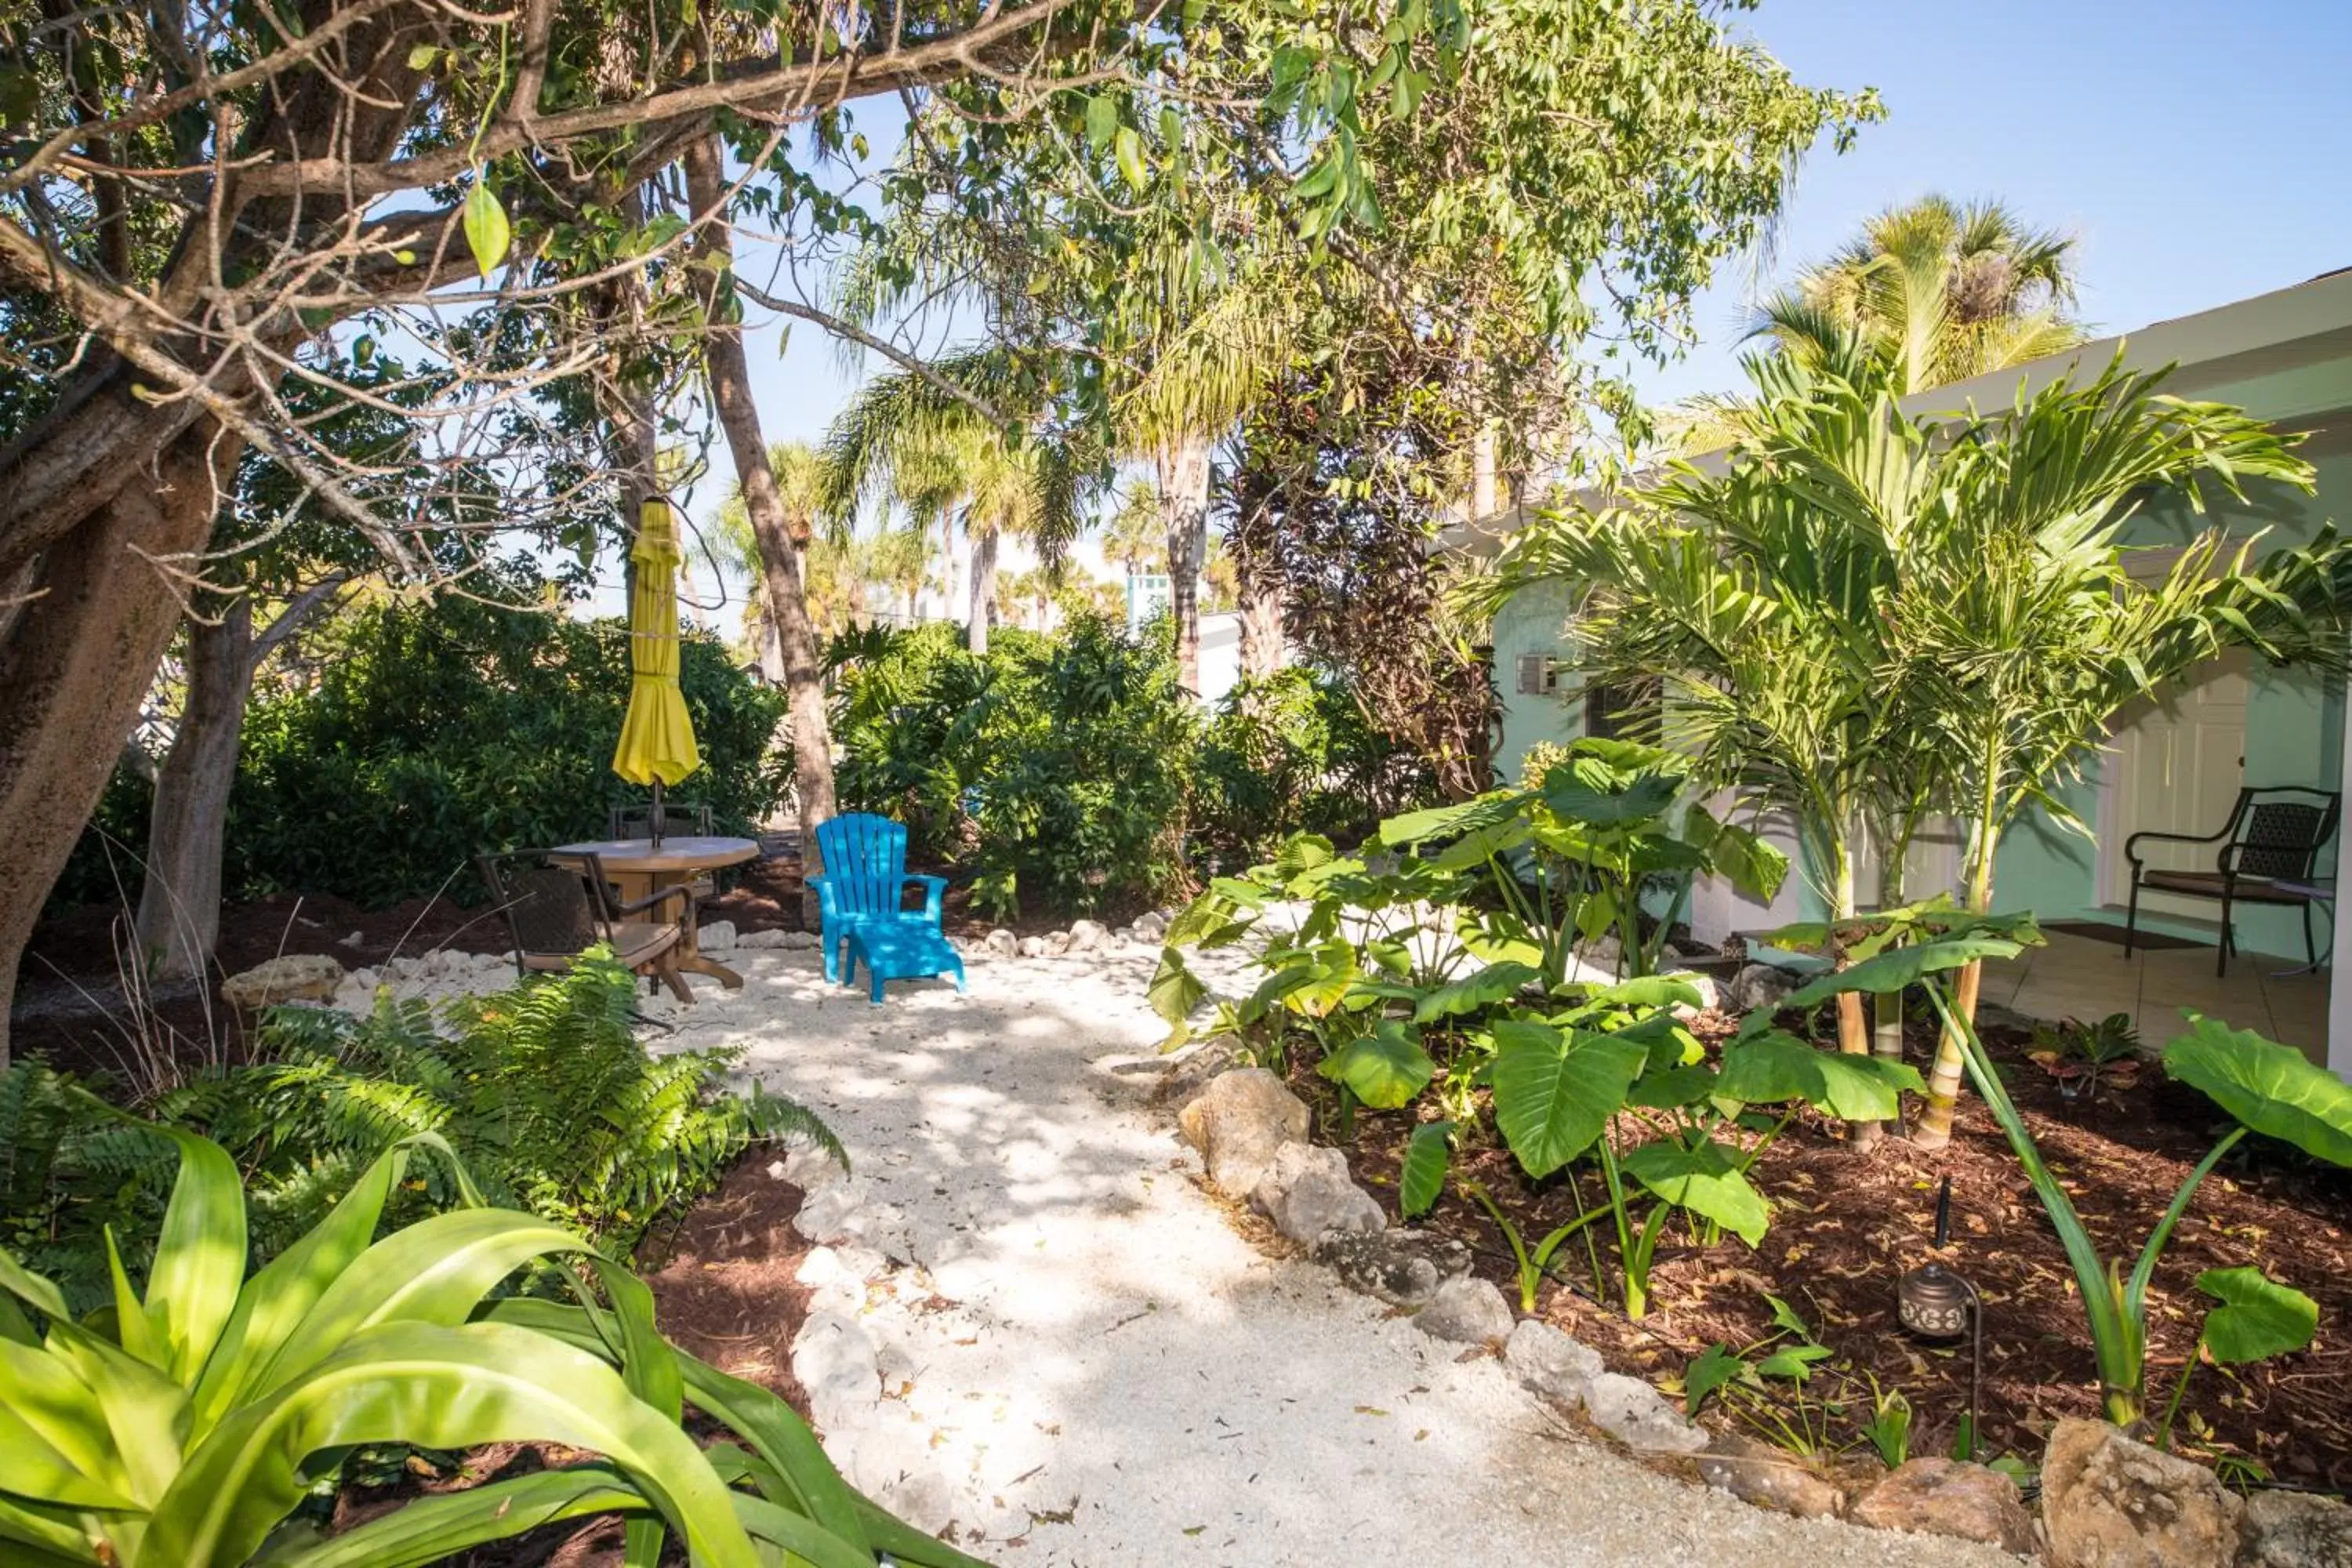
pixel 2132 853
pixel 675 890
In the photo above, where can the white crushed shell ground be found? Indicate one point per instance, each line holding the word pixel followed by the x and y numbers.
pixel 1083 1363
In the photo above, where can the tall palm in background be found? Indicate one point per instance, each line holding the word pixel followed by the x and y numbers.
pixel 833 574
pixel 910 441
pixel 902 562
pixel 1932 293
pixel 1132 536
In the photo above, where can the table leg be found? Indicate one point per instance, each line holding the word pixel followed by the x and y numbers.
pixel 689 948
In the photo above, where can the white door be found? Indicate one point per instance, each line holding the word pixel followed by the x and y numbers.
pixel 2175 765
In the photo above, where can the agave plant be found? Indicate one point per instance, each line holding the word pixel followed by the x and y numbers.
pixel 180 1426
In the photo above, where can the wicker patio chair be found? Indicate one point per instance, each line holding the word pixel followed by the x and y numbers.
pixel 2270 843
pixel 557 906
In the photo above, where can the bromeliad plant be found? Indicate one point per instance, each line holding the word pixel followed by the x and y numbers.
pixel 181 1426
pixel 2265 1087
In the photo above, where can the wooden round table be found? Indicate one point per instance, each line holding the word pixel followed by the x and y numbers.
pixel 639 867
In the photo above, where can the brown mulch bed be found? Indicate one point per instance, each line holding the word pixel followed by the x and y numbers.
pixel 1845 1223
pixel 723 1291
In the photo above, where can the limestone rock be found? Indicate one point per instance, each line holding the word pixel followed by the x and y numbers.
pixel 762 939
pixel 800 941
pixel 1057 942
pixel 1403 1267
pixel 1149 926
pixel 1945 1496
pixel 2109 1503
pixel 2296 1530
pixel 357 939
pixel 1307 1190
pixel 1757 1473
pixel 1758 987
pixel 832 1215
pixel 1468 1310
pixel 295 977
pixel 1708 996
pixel 834 1358
pixel 1639 1417
pixel 1238 1123
pixel 1549 1363
pixel 1002 942
pixel 1034 947
pixel 715 936
pixel 1086 935
pixel 808 1166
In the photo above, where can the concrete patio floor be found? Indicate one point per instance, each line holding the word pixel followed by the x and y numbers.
pixel 2083 977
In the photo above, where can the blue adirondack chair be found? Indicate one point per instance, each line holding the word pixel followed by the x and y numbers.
pixel 863 883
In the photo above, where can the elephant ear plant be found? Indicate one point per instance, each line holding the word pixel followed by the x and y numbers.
pixel 2265 1087
pixel 182 1426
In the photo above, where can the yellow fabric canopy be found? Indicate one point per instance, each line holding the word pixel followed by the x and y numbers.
pixel 657 736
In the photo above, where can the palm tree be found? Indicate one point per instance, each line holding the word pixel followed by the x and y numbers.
pixel 1871 614
pixel 1133 537
pixel 900 560
pixel 832 574
pixel 933 453
pixel 1938 292
pixel 1933 292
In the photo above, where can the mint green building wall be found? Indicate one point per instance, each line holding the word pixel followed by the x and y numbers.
pixel 1534 622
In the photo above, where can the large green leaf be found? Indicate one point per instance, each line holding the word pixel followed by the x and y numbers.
pixel 2258 1317
pixel 1555 1091
pixel 1174 991
pixel 440 1387
pixel 1448 821
pixel 430 1530
pixel 1423 1178
pixel 1891 972
pixel 1716 1368
pixel 1475 991
pixel 200 1255
pixel 1704 1180
pixel 1573 797
pixel 1384 1069
pixel 1774 1067
pixel 2270 1087
pixel 1642 991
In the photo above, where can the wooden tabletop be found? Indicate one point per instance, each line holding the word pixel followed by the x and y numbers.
pixel 678 852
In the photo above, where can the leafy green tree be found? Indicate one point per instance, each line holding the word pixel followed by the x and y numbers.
pixel 1132 538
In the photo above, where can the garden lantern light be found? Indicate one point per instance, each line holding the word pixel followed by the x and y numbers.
pixel 1937 1303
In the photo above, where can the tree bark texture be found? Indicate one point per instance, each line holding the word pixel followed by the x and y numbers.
pixel 1261 624
pixel 179 905
pixel 780 559
pixel 76 663
pixel 983 590
pixel 1183 475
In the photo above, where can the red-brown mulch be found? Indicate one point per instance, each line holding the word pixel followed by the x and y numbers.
pixel 1845 1223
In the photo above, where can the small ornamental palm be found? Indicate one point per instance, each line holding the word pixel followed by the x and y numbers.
pixel 181 1426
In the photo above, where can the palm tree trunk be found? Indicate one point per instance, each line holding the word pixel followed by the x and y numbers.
pixel 1886 1007
pixel 1483 493
pixel 1853 1032
pixel 1183 473
pixel 779 558
pixel 1934 1129
pixel 983 590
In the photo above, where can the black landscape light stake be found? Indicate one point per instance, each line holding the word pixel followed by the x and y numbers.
pixel 1935 1303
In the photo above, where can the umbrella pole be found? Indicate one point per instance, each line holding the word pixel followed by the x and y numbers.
pixel 657 811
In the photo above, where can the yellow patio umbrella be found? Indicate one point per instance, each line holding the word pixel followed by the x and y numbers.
pixel 657 737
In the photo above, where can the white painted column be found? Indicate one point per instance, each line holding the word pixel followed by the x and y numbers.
pixel 2339 992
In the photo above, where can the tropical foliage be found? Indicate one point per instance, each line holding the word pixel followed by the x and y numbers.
pixel 543 1090
pixel 1869 616
pixel 183 1426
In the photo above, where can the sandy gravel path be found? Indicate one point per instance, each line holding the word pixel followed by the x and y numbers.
pixel 1084 1362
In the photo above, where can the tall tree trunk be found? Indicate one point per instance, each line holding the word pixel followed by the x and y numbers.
pixel 1484 496
pixel 1934 1127
pixel 179 906
pixel 1184 474
pixel 1853 1032
pixel 77 662
pixel 983 590
pixel 1260 625
pixel 779 558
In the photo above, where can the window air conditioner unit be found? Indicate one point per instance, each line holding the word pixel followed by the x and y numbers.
pixel 1537 675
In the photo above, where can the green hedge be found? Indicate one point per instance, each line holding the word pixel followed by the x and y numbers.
pixel 431 733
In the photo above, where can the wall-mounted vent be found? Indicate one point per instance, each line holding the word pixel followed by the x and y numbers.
pixel 1537 674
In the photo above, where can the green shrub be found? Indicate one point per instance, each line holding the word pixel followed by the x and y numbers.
pixel 1052 769
pixel 422 734
pixel 1294 753
pixel 542 1090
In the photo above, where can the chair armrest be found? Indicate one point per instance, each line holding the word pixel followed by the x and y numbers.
pixel 2132 854
pixel 828 902
pixel 675 890
pixel 935 894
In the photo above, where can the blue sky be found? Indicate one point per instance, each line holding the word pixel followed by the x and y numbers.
pixel 2200 151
